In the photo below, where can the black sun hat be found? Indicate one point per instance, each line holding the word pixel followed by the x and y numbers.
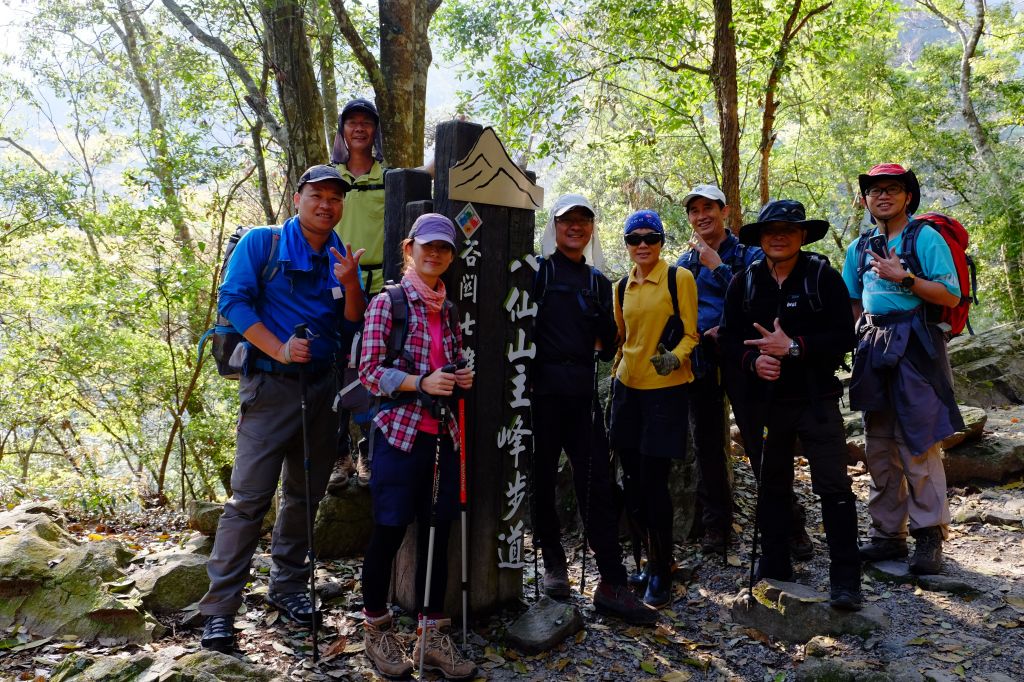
pixel 783 211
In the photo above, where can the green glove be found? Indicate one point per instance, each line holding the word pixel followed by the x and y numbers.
pixel 664 362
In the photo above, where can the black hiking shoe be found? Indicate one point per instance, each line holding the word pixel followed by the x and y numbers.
pixel 881 549
pixel 219 634
pixel 295 605
pixel 556 582
pixel 800 546
pixel 713 541
pixel 659 591
pixel 620 602
pixel 846 598
pixel 638 581
pixel 927 559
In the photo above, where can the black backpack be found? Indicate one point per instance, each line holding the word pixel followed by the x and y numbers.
pixel 546 271
pixel 812 281
pixel 673 332
pixel 225 337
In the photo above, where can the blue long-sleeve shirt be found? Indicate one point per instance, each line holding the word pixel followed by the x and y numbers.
pixel 712 284
pixel 303 288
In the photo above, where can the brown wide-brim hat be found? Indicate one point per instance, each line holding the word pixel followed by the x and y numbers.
pixel 783 211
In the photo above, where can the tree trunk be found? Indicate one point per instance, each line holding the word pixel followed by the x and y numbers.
pixel 723 76
pixel 328 83
pixel 261 173
pixel 404 61
pixel 301 105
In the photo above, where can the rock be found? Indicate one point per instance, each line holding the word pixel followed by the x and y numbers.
pixel 173 583
pixel 974 425
pixel 965 515
pixel 544 626
pixel 819 646
pixel 52 584
pixel 837 670
pixel 796 613
pixel 890 571
pixel 989 459
pixel 203 516
pixel 1001 517
pixel 988 368
pixel 169 664
pixel 904 670
pixel 343 523
pixel 945 583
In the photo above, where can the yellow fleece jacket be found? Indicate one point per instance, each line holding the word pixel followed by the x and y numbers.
pixel 648 304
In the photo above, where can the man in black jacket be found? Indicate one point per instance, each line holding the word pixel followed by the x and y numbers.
pixel 787 325
pixel 574 326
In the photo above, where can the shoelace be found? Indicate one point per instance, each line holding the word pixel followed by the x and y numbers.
pixel 389 647
pixel 219 627
pixel 448 648
pixel 296 602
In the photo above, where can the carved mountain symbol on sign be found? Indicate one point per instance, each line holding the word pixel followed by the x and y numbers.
pixel 487 175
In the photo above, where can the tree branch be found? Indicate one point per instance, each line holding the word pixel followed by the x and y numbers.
pixel 358 45
pixel 27 152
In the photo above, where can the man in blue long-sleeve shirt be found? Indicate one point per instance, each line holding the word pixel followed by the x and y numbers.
pixel 314 281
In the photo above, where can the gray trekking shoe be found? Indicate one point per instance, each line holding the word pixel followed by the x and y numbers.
pixel 927 559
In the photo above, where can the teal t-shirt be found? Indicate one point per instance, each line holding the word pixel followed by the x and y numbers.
pixel 881 296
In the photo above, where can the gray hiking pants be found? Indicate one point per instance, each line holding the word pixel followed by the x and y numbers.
pixel 269 448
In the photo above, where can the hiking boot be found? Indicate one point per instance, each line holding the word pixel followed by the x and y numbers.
pixel 846 598
pixel 881 549
pixel 441 655
pixel 638 581
pixel 363 470
pixel 343 469
pixel 659 591
pixel 713 541
pixel 927 559
pixel 800 546
pixel 556 581
pixel 384 649
pixel 295 605
pixel 219 634
pixel 619 602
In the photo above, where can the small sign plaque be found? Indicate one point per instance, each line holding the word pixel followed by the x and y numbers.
pixel 469 220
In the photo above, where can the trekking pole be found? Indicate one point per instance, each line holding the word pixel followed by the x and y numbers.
pixel 465 532
pixel 757 484
pixel 442 420
pixel 300 333
pixel 595 414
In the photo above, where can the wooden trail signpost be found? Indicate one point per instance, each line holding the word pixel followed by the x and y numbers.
pixel 493 202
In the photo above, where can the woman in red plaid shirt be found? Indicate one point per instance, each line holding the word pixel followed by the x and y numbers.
pixel 407 438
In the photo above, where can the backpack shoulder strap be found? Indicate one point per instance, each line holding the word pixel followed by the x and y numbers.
pixel 812 282
pixel 748 285
pixel 541 278
pixel 620 291
pixel 908 248
pixel 399 323
pixel 270 269
pixel 860 253
pixel 672 290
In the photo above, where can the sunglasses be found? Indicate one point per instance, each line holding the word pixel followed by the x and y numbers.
pixel 651 238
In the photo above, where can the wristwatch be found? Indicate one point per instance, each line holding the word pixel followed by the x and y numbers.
pixel 794 349
pixel 908 281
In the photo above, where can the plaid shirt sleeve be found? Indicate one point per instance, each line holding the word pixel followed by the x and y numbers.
pixel 376 329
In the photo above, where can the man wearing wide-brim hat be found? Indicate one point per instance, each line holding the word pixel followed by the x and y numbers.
pixel 786 326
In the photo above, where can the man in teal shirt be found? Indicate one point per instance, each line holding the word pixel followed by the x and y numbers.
pixel 901 376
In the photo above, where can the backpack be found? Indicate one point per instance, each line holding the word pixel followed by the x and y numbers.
pixel 353 396
pixel 816 264
pixel 225 337
pixel 956 237
pixel 546 270
pixel 674 331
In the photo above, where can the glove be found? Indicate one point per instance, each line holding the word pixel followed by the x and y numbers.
pixel 664 362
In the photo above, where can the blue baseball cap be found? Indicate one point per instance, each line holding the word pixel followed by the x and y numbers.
pixel 644 218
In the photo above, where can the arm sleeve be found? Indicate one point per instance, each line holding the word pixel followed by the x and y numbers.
pixel 607 329
pixel 687 291
pixel 241 287
pixel 854 288
pixel 836 334
pixel 376 377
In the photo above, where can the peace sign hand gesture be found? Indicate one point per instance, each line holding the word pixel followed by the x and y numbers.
pixel 346 267
pixel 774 343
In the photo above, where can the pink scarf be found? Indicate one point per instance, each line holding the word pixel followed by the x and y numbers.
pixel 433 298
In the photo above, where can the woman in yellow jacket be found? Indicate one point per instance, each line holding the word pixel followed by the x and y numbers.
pixel 649 407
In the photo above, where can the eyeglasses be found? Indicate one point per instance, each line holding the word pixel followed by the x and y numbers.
pixel 891 190
pixel 651 238
pixel 574 220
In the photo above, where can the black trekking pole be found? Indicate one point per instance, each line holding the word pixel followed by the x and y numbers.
pixel 757 485
pixel 300 333
pixel 595 414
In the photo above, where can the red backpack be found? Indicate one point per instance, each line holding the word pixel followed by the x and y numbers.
pixel 956 237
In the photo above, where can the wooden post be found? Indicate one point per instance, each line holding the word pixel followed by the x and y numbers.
pixel 485 275
pixel 401 187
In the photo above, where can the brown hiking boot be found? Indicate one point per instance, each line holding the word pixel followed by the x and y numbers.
pixel 927 559
pixel 556 581
pixel 441 655
pixel 881 549
pixel 343 469
pixel 800 546
pixel 384 649
pixel 620 602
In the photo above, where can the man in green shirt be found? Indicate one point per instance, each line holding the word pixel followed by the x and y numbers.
pixel 358 156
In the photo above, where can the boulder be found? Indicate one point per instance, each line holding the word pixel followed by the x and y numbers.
pixel 203 516
pixel 173 582
pixel 988 368
pixel 343 523
pixel 544 626
pixel 945 583
pixel 52 584
pixel 837 670
pixel 993 458
pixel 974 426
pixel 169 664
pixel 796 613
pixel 890 571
